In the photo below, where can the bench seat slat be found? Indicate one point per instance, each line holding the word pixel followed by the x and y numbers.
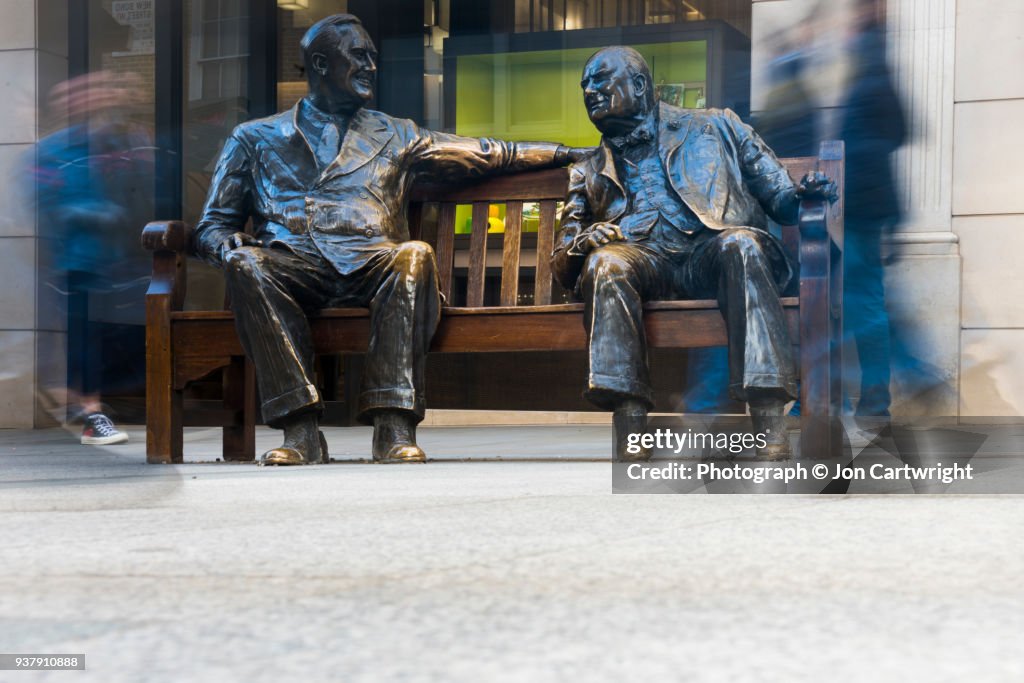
pixel 205 342
pixel 691 305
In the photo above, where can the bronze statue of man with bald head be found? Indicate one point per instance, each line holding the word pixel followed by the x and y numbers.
pixel 674 204
pixel 326 185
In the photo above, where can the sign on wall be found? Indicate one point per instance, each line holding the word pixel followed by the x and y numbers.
pixel 138 15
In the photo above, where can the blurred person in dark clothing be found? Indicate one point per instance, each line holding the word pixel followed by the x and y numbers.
pixel 788 122
pixel 91 178
pixel 874 128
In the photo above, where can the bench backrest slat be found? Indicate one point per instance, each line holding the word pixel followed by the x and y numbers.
pixel 445 247
pixel 478 254
pixel 510 253
pixel 545 242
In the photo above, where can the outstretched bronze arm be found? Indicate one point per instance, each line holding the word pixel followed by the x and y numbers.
pixel 452 157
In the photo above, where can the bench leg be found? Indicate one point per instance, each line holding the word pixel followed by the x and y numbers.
pixel 821 430
pixel 164 427
pixel 239 438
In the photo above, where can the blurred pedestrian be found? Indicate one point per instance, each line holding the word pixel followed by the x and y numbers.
pixel 88 178
pixel 874 128
pixel 788 122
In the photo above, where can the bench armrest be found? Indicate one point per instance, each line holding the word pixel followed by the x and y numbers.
pixel 821 222
pixel 166 236
pixel 169 242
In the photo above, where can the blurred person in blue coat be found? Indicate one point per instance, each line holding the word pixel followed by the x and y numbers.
pixel 92 179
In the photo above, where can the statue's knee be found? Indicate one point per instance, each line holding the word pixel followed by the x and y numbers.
pixel 741 242
pixel 604 265
pixel 415 258
pixel 242 261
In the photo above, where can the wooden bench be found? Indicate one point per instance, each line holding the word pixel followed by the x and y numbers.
pixel 184 346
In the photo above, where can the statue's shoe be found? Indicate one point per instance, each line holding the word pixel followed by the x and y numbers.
pixel 630 419
pixel 283 456
pixel 286 455
pixel 402 453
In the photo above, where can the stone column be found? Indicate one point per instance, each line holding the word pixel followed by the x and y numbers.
pixel 923 286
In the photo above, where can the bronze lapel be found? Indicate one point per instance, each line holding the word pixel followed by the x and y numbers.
pixel 609 190
pixel 673 129
pixel 366 137
pixel 293 155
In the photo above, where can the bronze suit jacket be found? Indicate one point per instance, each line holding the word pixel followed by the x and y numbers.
pixel 268 171
pixel 718 165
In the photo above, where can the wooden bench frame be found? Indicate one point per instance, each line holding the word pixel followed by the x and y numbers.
pixel 183 346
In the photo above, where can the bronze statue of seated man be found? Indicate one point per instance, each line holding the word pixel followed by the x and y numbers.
pixel 326 186
pixel 673 205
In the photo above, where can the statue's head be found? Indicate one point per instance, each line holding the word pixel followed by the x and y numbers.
pixel 341 63
pixel 618 90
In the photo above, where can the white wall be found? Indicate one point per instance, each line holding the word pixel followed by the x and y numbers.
pixel 988 203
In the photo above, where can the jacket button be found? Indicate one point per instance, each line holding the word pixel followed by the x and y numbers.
pixel 362 195
pixel 369 232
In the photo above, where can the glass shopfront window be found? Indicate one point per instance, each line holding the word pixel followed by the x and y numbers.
pixel 219 55
pixel 216 87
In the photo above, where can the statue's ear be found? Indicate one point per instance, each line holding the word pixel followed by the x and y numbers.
pixel 319 63
pixel 640 86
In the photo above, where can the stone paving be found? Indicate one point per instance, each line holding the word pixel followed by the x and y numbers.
pixel 506 560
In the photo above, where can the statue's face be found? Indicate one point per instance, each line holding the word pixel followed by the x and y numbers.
pixel 614 98
pixel 350 68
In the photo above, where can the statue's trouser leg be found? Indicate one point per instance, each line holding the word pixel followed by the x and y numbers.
pixel 865 318
pixel 405 309
pixel 616 280
pixel 269 289
pixel 741 268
